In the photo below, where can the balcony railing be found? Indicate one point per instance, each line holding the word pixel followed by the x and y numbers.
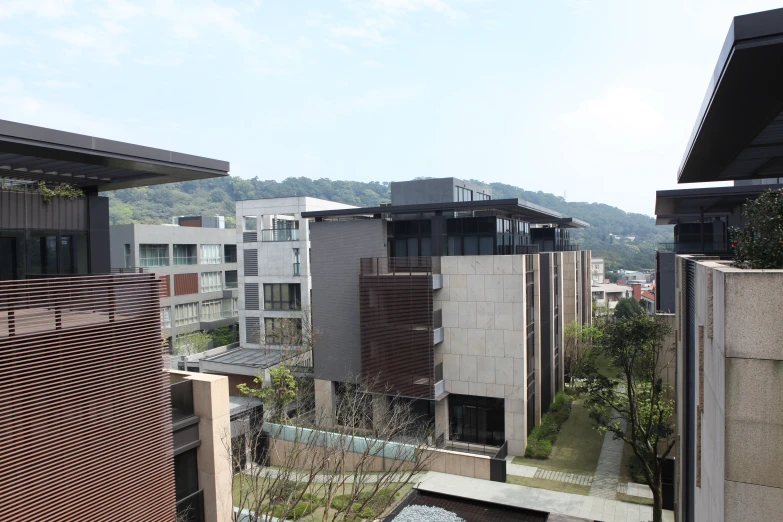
pixel 696 248
pixel 296 269
pixel 153 261
pixel 230 285
pixel 129 270
pixel 280 234
pixel 185 260
pixel 396 265
pixel 191 508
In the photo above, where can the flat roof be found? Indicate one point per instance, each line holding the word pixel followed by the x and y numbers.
pixel 535 213
pixel 672 206
pixel 35 153
pixel 738 133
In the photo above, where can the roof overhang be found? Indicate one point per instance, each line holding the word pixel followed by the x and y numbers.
pixel 518 207
pixel 739 130
pixel 35 153
pixel 684 205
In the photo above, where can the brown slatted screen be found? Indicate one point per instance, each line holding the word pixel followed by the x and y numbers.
pixel 395 299
pixel 185 284
pixel 85 407
pixel 165 286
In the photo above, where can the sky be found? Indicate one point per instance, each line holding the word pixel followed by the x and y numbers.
pixel 590 100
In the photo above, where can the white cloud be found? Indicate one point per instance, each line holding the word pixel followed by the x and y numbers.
pixel 56 84
pixel 6 40
pixel 403 6
pixel 40 8
pixel 339 46
pixel 104 42
pixel 370 63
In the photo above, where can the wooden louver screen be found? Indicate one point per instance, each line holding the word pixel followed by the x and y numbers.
pixel 85 404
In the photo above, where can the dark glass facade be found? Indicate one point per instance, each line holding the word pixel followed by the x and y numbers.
pixel 43 252
pixel 480 420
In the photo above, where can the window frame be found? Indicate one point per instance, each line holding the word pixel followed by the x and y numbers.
pixel 210 258
pixel 293 302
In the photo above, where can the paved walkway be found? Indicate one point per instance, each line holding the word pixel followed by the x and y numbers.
pixel 608 470
pixel 591 508
pixel 635 490
pixel 521 470
pixel 570 478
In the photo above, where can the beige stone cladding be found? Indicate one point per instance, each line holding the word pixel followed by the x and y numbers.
pixel 483 353
pixel 738 395
pixel 211 406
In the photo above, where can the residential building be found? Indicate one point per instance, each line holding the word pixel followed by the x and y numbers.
pixel 648 302
pixel 452 303
pixel 598 270
pixel 607 295
pixel 86 423
pixel 196 261
pixel 273 243
pixel 727 319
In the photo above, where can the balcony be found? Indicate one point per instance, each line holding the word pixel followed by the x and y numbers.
pixel 708 247
pixel 280 234
pixel 185 260
pixel 296 269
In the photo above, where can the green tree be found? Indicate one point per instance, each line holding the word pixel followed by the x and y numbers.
pixel 627 307
pixel 635 407
pixel 579 341
pixel 191 344
pixel 760 244
pixel 277 395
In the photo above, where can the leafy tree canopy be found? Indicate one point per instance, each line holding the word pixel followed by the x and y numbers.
pixel 157 204
pixel 628 307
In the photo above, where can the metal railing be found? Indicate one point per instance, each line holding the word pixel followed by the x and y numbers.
pixel 153 261
pixel 182 398
pixel 526 249
pixel 231 285
pixel 296 269
pixel 185 260
pixel 395 265
pixel 191 508
pixel 695 248
pixel 129 270
pixel 280 234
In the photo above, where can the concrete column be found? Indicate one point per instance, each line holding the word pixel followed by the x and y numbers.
pixel 442 418
pixel 324 403
pixel 210 404
pixel 380 410
pixel 537 316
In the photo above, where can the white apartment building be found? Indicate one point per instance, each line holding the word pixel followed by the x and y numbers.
pixel 274 264
pixel 597 270
pixel 197 265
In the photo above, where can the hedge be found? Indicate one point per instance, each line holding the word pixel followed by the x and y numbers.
pixel 540 440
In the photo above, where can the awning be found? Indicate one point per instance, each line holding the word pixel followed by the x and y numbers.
pixel 35 153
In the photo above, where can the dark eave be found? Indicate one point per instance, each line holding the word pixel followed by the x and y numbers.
pixel 672 206
pixel 739 130
pixel 35 153
pixel 518 207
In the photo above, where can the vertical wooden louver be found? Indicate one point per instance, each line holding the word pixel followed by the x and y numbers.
pixel 85 420
pixel 395 300
pixel 185 284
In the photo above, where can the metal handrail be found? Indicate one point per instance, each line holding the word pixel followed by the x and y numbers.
pixel 692 248
pixel 280 234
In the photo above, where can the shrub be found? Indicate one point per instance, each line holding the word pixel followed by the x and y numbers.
pixel 760 244
pixel 301 509
pixel 532 442
pixel 543 449
pixel 548 428
pixel 285 490
pixel 560 408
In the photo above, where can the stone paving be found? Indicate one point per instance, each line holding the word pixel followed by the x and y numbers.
pixel 570 478
pixel 592 508
pixel 635 490
pixel 606 474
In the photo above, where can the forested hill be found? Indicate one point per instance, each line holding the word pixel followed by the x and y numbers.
pixel 157 204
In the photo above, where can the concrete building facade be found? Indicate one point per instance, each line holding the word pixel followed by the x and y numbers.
pixel 197 267
pixel 452 304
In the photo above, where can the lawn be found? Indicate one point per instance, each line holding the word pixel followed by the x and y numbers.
pixel 604 367
pixel 554 485
pixel 577 447
pixel 317 490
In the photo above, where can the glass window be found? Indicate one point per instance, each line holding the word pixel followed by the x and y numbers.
pixel 128 261
pixel 426 247
pixel 282 296
pixel 42 253
pixel 210 255
pixel 231 279
pixel 165 317
pixel 211 310
pixel 455 246
pixel 400 248
pixel 12 255
pixel 186 474
pixel 251 223
pixel 230 307
pixel 230 253
pixel 185 314
pixel 296 261
pixel 185 255
pixel 282 330
pixel 413 247
pixel 486 246
pixel 210 282
pixel 153 255
pixel 470 245
pixel 464 194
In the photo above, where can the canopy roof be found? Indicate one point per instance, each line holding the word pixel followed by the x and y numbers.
pixel 739 130
pixel 685 205
pixel 533 213
pixel 35 153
